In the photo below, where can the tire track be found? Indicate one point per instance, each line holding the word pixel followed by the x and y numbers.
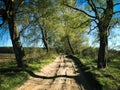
pixel 59 75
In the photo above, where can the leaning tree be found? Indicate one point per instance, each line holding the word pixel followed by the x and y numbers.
pixel 8 13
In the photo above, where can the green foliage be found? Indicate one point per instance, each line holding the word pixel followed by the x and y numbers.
pixel 71 26
pixel 108 78
pixel 10 76
pixel 34 64
pixel 56 22
pixel 12 79
pixel 89 53
pixel 40 18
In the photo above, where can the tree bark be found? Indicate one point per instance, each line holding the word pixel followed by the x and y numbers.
pixel 103 29
pixel 15 36
pixel 68 40
pixel 44 38
pixel 17 46
pixel 45 44
pixel 103 49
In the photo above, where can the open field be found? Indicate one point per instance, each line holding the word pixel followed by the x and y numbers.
pixel 4 57
pixel 11 76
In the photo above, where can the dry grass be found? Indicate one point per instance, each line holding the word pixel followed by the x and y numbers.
pixel 6 57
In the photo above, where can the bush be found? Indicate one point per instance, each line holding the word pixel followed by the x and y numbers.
pixel 89 53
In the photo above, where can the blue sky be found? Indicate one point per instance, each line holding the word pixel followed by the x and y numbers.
pixel 5 38
pixel 114 38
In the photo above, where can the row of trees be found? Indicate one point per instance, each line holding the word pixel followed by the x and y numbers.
pixel 40 21
pixel 57 26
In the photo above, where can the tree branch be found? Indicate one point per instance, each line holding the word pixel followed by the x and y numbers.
pixel 32 22
pixel 91 29
pixel 1 24
pixel 19 4
pixel 94 20
pixel 80 24
pixel 92 5
pixel 3 15
pixel 116 4
pixel 100 8
pixel 116 12
pixel 80 10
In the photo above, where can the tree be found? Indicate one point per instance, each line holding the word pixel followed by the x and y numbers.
pixel 8 14
pixel 71 29
pixel 38 22
pixel 102 14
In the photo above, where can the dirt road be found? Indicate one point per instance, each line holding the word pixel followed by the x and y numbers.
pixel 62 74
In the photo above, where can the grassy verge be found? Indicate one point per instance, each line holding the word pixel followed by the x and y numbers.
pixel 11 76
pixel 108 78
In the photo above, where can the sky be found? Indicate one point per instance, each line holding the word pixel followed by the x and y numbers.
pixel 5 38
pixel 114 38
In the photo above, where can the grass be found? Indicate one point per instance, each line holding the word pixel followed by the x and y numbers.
pixel 108 78
pixel 12 77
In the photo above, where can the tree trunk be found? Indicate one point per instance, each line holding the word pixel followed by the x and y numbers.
pixel 103 49
pixel 103 29
pixel 15 36
pixel 45 44
pixel 44 38
pixel 68 40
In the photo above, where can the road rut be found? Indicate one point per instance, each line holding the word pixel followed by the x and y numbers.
pixel 62 74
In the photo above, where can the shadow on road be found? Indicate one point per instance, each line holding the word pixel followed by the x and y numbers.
pixel 90 78
pixel 81 79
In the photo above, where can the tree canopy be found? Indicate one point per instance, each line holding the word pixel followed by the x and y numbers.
pixel 59 24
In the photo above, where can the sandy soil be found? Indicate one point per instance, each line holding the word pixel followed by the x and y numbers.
pixel 62 74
